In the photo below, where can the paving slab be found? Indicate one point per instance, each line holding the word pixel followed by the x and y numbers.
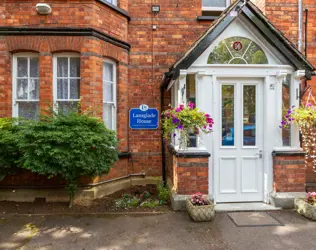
pixel 246 206
pixel 168 231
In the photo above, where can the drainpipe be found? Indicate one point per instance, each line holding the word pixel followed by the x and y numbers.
pixel 306 31
pixel 163 153
pixel 300 24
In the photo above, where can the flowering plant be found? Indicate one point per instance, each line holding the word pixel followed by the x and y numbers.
pixel 305 118
pixel 311 198
pixel 198 200
pixel 187 119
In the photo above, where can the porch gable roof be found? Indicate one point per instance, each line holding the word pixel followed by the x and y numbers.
pixel 274 36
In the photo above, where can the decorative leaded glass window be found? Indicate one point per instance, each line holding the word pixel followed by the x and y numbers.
pixel 26 86
pixel 67 82
pixel 237 50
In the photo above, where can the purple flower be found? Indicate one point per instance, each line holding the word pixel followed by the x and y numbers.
pixel 180 126
pixel 181 107
pixel 178 110
pixel 175 120
pixel 308 104
pixel 174 135
pixel 293 106
pixel 207 115
pixel 191 105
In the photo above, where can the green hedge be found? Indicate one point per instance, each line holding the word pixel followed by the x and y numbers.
pixel 65 145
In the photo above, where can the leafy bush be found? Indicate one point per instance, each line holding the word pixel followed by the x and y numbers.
pixel 163 193
pixel 150 203
pixel 126 201
pixel 68 146
pixel 9 151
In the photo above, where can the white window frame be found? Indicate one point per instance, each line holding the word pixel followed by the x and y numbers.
pixel 207 8
pixel 114 2
pixel 55 99
pixel 114 82
pixel 15 100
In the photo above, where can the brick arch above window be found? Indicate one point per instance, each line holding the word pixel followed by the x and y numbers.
pixel 27 44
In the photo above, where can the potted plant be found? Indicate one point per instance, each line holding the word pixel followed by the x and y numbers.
pixel 307 207
pixel 185 119
pixel 305 118
pixel 200 208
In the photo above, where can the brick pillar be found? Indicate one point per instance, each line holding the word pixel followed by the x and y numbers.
pixel 45 81
pixel 190 172
pixel 289 173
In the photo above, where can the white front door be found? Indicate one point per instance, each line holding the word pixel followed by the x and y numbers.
pixel 238 161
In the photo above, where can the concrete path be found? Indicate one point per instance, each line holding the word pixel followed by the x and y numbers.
pixel 166 231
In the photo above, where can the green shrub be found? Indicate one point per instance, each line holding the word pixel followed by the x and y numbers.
pixel 68 146
pixel 9 151
pixel 150 203
pixel 163 193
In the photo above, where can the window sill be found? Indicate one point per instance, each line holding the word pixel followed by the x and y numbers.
pixel 206 18
pixel 189 152
pixel 288 151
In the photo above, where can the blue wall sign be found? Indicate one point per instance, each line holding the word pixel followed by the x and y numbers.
pixel 143 118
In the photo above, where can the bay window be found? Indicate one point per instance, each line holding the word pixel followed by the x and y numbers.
pixel 25 86
pixel 66 88
pixel 109 93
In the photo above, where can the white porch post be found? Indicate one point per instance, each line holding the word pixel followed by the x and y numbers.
pixel 281 76
pixel 182 94
pixel 199 98
pixel 295 100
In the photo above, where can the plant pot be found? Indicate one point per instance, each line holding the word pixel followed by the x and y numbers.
pixel 200 213
pixel 305 209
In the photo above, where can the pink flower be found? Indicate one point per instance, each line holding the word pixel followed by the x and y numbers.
pixel 191 105
pixel 181 107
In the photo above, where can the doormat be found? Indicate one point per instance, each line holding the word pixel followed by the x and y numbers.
pixel 254 219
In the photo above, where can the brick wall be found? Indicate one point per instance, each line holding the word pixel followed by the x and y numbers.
pixel 69 13
pixel 289 173
pixel 190 175
pixel 284 15
pixel 151 55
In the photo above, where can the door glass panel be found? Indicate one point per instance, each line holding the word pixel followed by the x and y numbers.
pixel 228 135
pixel 249 115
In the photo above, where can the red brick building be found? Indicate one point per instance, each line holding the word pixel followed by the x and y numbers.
pixel 116 55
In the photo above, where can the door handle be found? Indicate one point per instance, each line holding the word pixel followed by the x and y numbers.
pixel 260 153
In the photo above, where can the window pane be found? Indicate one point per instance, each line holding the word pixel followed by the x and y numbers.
pixel 108 115
pixel 75 67
pixel 214 3
pixel 108 92
pixel 62 66
pixel 191 97
pixel 33 67
pixel 286 104
pixel 220 55
pixel 67 107
pixel 228 136
pixel 74 88
pixel 249 111
pixel 22 67
pixel 34 91
pixel 255 55
pixel 107 72
pixel 62 88
pixel 21 89
pixel 28 110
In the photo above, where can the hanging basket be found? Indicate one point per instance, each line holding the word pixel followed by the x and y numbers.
pixel 200 213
